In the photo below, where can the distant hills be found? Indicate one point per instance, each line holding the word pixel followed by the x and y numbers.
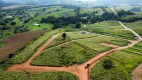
pixel 73 1
pixel 118 1
pixel 43 1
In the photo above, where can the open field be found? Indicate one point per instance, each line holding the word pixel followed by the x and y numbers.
pixel 111 28
pixel 26 53
pixel 16 42
pixel 66 55
pixel 136 26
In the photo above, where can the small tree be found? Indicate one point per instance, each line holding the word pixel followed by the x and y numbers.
pixel 78 25
pixel 108 64
pixel 11 55
pixel 64 36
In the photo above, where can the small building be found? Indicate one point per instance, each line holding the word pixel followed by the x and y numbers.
pixel 36 24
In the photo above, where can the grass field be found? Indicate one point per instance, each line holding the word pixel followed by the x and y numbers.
pixel 16 42
pixel 136 26
pixel 111 28
pixel 26 53
pixel 79 35
pixel 94 43
pixel 66 55
pixel 37 76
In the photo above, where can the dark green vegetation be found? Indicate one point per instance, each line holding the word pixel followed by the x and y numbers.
pixel 65 55
pixel 122 66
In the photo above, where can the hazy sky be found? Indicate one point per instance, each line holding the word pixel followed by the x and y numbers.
pixel 86 0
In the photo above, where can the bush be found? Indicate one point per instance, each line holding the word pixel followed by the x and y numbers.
pixel 108 64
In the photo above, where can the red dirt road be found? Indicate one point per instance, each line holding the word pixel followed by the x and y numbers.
pixel 79 70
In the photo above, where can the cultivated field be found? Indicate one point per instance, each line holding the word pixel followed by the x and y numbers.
pixel 16 42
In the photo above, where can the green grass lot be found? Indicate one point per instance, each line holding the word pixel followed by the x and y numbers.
pixel 124 62
pixel 37 76
pixel 79 35
pixel 136 26
pixel 28 51
pixel 94 43
pixel 66 55
pixel 111 28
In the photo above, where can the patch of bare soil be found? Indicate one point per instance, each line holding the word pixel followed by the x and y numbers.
pixel 137 73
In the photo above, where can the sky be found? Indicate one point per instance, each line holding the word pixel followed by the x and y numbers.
pixel 86 0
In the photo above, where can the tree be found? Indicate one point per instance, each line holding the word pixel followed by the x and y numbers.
pixel 108 64
pixel 11 55
pixel 78 25
pixel 64 36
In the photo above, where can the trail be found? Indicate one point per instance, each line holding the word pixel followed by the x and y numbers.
pixel 81 71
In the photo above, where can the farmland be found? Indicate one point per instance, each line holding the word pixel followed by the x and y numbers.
pixel 16 42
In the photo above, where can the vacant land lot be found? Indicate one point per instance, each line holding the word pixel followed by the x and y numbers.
pixel 111 28
pixel 16 42
pixel 136 26
pixel 122 66
pixel 66 55
pixel 116 72
pixel 94 43
pixel 79 35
